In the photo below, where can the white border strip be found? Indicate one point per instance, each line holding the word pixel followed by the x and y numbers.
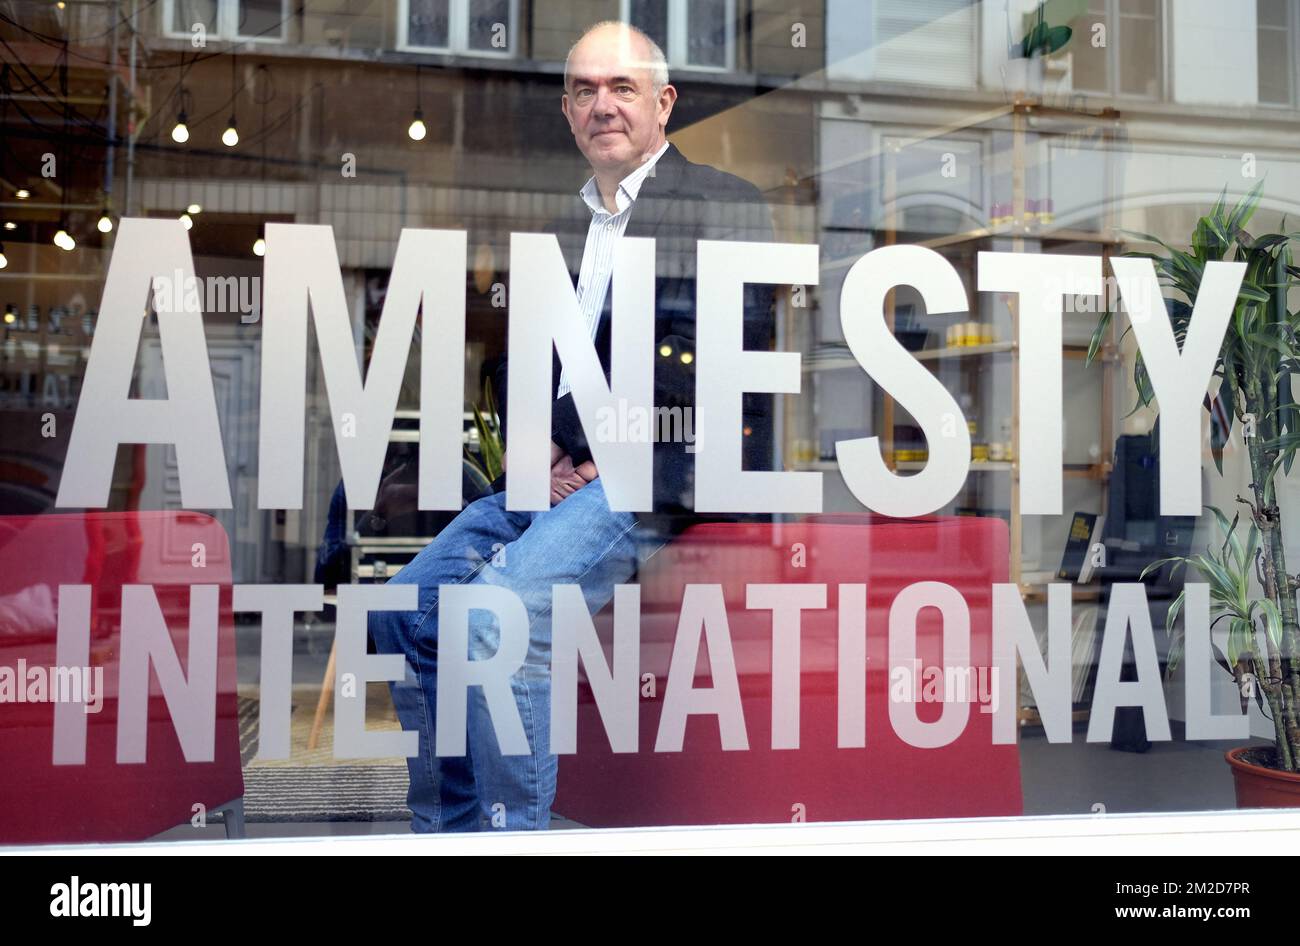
pixel 1115 834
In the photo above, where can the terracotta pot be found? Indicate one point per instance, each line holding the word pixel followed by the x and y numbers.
pixel 1261 787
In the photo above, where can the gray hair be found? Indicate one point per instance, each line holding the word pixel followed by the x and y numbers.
pixel 657 64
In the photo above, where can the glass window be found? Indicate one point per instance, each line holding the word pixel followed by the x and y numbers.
pixel 338 205
pixel 697 34
pixel 651 16
pixel 1117 48
pixel 1140 60
pixel 708 33
pixel 489 22
pixel 1276 52
pixel 257 20
pixel 477 27
pixel 262 19
pixel 186 13
pixel 428 23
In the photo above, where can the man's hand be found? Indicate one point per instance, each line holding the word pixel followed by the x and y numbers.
pixel 587 471
pixel 565 480
pixel 556 452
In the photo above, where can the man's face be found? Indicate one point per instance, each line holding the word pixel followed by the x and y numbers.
pixel 613 111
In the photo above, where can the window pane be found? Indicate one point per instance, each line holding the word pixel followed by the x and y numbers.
pixel 261 18
pixel 1272 13
pixel 185 13
pixel 1139 56
pixel 706 33
pixel 651 16
pixel 1274 67
pixel 1145 8
pixel 427 23
pixel 489 25
pixel 1090 60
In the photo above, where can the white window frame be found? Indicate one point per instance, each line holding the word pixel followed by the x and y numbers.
pixel 1293 67
pixel 1114 39
pixel 227 27
pixel 457 31
pixel 679 37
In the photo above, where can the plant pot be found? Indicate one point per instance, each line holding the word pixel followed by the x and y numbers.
pixel 1258 786
pixel 1023 78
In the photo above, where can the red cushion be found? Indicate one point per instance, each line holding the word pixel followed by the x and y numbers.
pixel 102 800
pixel 888 779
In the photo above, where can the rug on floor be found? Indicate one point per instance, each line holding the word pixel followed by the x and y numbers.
pixel 311 785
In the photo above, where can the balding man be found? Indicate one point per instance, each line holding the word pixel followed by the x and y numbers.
pixel 617 101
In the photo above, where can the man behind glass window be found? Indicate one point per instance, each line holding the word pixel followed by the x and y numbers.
pixel 617 101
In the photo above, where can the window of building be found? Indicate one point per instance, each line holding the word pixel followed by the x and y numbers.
pixel 468 27
pixel 1118 48
pixel 694 34
pixel 1276 40
pixel 931 43
pixel 247 20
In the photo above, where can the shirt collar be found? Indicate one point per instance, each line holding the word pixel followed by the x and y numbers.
pixel 628 188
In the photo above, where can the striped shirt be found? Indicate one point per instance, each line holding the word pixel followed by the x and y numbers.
pixel 598 253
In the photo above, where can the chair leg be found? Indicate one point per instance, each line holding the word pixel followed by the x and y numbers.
pixel 233 816
pixel 326 691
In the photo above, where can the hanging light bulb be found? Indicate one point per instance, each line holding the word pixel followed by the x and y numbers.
pixel 230 137
pixel 259 247
pixel 4 260
pixel 181 133
pixel 105 224
pixel 10 315
pixel 187 221
pixel 417 131
pixel 63 240
pixel 10 225
pixel 193 209
pixel 22 193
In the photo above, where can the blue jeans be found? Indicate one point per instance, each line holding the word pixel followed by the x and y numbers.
pixel 577 541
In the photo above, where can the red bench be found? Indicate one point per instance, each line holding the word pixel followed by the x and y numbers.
pixel 888 779
pixel 102 800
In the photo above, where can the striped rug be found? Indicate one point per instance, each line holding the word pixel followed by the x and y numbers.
pixel 311 785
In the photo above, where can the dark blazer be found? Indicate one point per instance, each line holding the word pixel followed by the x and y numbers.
pixel 678 204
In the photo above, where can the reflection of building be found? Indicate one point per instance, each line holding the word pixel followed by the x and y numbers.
pixel 862 123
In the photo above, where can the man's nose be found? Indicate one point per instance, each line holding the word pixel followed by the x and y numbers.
pixel 604 105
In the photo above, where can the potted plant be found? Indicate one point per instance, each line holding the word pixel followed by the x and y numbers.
pixel 486 463
pixel 1259 355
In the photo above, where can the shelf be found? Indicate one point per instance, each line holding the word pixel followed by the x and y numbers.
pixel 976 466
pixel 1077 592
pixel 1068 350
pixel 964 351
pixel 1009 230
pixel 1023 232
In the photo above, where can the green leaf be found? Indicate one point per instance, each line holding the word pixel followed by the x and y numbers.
pixel 1171 616
pixel 1098 336
pixel 1272 621
pixel 1175 656
pixel 1242 213
pixel 1057 37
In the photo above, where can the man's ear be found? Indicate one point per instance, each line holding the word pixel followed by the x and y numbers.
pixel 667 96
pixel 564 107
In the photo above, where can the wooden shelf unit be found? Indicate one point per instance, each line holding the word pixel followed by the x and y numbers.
pixel 1004 353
